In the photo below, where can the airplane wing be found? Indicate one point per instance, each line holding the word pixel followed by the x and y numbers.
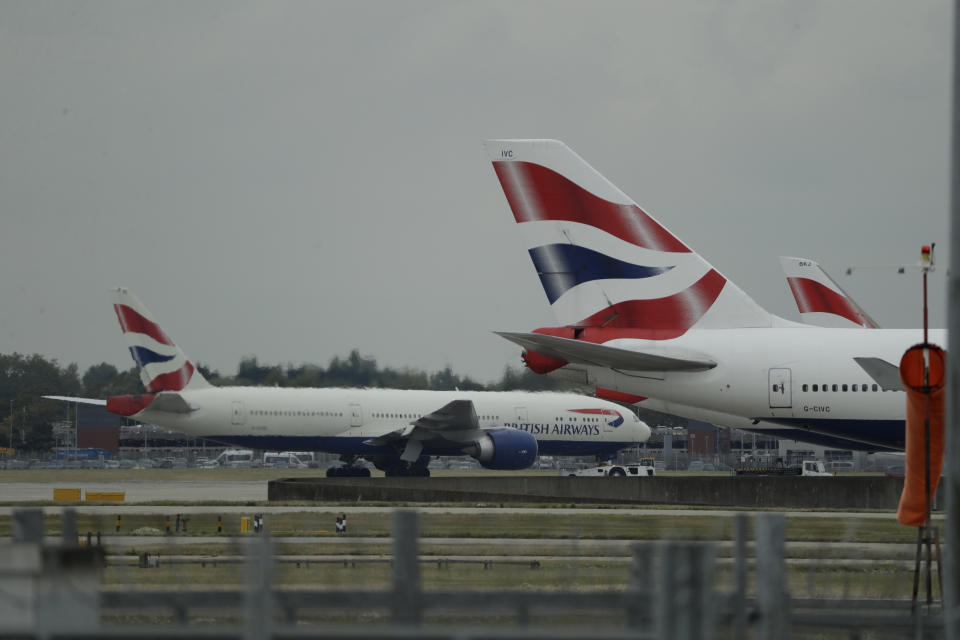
pixel 454 418
pixel 885 374
pixel 589 353
pixel 96 401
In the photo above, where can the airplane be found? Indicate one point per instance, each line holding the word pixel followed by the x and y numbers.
pixel 398 431
pixel 644 318
pixel 821 301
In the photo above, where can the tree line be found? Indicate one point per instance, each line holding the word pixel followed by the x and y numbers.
pixel 25 379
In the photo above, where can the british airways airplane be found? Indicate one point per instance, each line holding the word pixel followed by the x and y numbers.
pixel 398 431
pixel 644 318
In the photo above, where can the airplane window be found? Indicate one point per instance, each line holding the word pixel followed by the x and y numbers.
pixel 863 387
pixel 815 388
pixel 874 387
pixel 844 387
pixel 776 387
pixel 834 387
pixel 804 387
pixel 853 388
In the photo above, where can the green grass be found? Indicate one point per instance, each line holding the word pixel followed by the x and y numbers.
pixel 879 580
pixel 494 524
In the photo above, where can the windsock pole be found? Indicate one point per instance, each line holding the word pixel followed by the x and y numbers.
pixel 951 593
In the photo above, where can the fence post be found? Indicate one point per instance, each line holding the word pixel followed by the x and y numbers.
pixel 740 576
pixel 68 528
pixel 259 595
pixel 641 587
pixel 406 568
pixel 27 525
pixel 684 596
pixel 773 601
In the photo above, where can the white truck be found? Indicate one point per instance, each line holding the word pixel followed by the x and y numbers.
pixel 809 468
pixel 235 458
pixel 283 460
pixel 613 471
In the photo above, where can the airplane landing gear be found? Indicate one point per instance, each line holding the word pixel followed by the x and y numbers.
pixel 348 471
pixel 395 468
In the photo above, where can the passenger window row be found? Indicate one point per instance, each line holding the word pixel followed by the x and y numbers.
pixel 261 412
pixel 838 387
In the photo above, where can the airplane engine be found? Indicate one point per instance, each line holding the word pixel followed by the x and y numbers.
pixel 505 449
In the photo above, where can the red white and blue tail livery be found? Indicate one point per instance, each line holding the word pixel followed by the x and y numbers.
pixel 163 365
pixel 821 301
pixel 602 260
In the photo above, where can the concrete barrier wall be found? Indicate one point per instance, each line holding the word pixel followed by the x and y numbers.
pixel 856 492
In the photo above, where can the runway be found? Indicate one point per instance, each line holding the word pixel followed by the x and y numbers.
pixel 144 491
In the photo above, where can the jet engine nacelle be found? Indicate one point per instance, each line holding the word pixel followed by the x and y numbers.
pixel 510 449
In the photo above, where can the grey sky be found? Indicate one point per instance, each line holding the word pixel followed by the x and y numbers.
pixel 293 180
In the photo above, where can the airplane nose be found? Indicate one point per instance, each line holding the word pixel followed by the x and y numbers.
pixel 643 432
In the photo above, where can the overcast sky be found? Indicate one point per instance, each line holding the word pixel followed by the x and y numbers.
pixel 292 180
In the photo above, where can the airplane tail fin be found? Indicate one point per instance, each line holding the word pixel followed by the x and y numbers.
pixel 602 260
pixel 163 365
pixel 821 301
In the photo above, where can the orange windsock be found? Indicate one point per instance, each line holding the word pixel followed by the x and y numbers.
pixel 922 370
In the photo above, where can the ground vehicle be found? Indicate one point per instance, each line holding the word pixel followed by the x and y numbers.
pixel 810 468
pixel 840 465
pixel 614 470
pixel 283 460
pixel 235 458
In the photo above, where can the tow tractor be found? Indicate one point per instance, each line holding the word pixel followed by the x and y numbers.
pixel 614 471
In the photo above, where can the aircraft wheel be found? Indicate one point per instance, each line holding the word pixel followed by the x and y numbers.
pixel 617 471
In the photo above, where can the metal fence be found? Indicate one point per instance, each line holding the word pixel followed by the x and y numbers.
pixel 671 594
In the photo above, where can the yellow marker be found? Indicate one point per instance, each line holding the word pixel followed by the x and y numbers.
pixel 66 494
pixel 106 496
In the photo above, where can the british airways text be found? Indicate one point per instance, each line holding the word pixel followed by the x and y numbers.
pixel 546 429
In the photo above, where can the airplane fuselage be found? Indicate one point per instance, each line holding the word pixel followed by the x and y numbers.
pixel 343 420
pixel 802 378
